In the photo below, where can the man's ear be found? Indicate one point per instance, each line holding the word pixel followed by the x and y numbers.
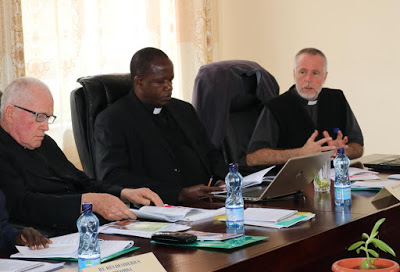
pixel 8 113
pixel 326 74
pixel 137 81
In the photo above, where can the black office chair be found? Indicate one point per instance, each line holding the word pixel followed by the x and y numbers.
pixel 96 93
pixel 229 97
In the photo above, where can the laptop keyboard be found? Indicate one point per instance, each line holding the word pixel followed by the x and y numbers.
pixel 254 191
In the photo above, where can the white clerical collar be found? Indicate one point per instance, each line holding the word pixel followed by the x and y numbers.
pixel 157 110
pixel 312 102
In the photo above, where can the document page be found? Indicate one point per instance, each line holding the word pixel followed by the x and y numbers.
pixel 171 213
pixel 7 265
pixel 251 180
pixel 373 184
pixel 267 214
pixel 66 246
pixel 285 223
pixel 256 178
pixel 358 174
pixel 142 229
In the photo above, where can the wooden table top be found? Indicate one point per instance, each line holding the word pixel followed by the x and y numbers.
pixel 303 247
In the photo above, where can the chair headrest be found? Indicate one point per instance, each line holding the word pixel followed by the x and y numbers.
pixel 114 86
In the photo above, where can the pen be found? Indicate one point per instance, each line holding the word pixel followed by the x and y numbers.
pixel 209 182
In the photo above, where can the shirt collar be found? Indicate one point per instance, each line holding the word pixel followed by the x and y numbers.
pixel 148 108
pixel 302 100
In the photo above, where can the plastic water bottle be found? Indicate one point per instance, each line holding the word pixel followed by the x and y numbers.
pixel 342 214
pixel 89 249
pixel 234 201
pixel 342 179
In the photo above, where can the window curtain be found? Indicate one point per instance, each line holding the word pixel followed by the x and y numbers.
pixel 11 42
pixel 68 39
pixel 197 39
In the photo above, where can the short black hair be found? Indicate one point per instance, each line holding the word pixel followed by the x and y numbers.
pixel 142 59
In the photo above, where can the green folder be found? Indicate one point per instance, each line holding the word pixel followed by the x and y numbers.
pixel 366 189
pixel 104 259
pixel 227 244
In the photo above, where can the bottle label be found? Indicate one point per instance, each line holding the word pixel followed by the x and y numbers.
pixel 343 193
pixel 88 262
pixel 234 216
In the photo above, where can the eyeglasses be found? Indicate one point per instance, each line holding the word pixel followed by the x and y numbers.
pixel 40 117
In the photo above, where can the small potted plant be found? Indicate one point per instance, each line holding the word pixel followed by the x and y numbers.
pixel 372 260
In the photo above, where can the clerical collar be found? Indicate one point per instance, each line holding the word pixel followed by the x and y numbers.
pixel 301 99
pixel 312 102
pixel 148 108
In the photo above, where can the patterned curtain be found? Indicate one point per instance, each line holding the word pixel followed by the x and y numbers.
pixel 197 39
pixel 11 42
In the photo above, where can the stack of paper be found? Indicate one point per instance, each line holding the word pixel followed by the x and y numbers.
pixel 365 185
pixel 66 247
pixel 358 174
pixel 267 214
pixel 274 218
pixel 175 213
pixel 285 223
pixel 142 229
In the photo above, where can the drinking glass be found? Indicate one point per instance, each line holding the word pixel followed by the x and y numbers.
pixel 322 181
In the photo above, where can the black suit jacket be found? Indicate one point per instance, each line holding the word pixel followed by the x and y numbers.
pixel 7 232
pixel 42 187
pixel 132 152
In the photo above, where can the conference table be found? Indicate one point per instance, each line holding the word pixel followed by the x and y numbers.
pixel 309 246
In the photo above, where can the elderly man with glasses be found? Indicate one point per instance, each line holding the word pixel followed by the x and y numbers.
pixel 42 187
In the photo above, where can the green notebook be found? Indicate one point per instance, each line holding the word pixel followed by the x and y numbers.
pixel 227 244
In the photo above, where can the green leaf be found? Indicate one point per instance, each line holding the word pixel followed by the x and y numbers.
pixel 377 225
pixel 373 235
pixel 365 236
pixel 355 245
pixel 383 246
pixel 368 264
pixel 373 253
pixel 365 264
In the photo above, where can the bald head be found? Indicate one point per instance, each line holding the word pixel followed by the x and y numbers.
pixel 23 91
pixel 24 102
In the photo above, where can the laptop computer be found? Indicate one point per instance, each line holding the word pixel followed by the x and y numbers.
pixel 383 162
pixel 294 176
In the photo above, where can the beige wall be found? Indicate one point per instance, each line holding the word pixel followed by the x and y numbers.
pixel 361 39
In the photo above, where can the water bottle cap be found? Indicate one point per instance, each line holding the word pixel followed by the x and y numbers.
pixel 340 150
pixel 87 207
pixel 233 167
